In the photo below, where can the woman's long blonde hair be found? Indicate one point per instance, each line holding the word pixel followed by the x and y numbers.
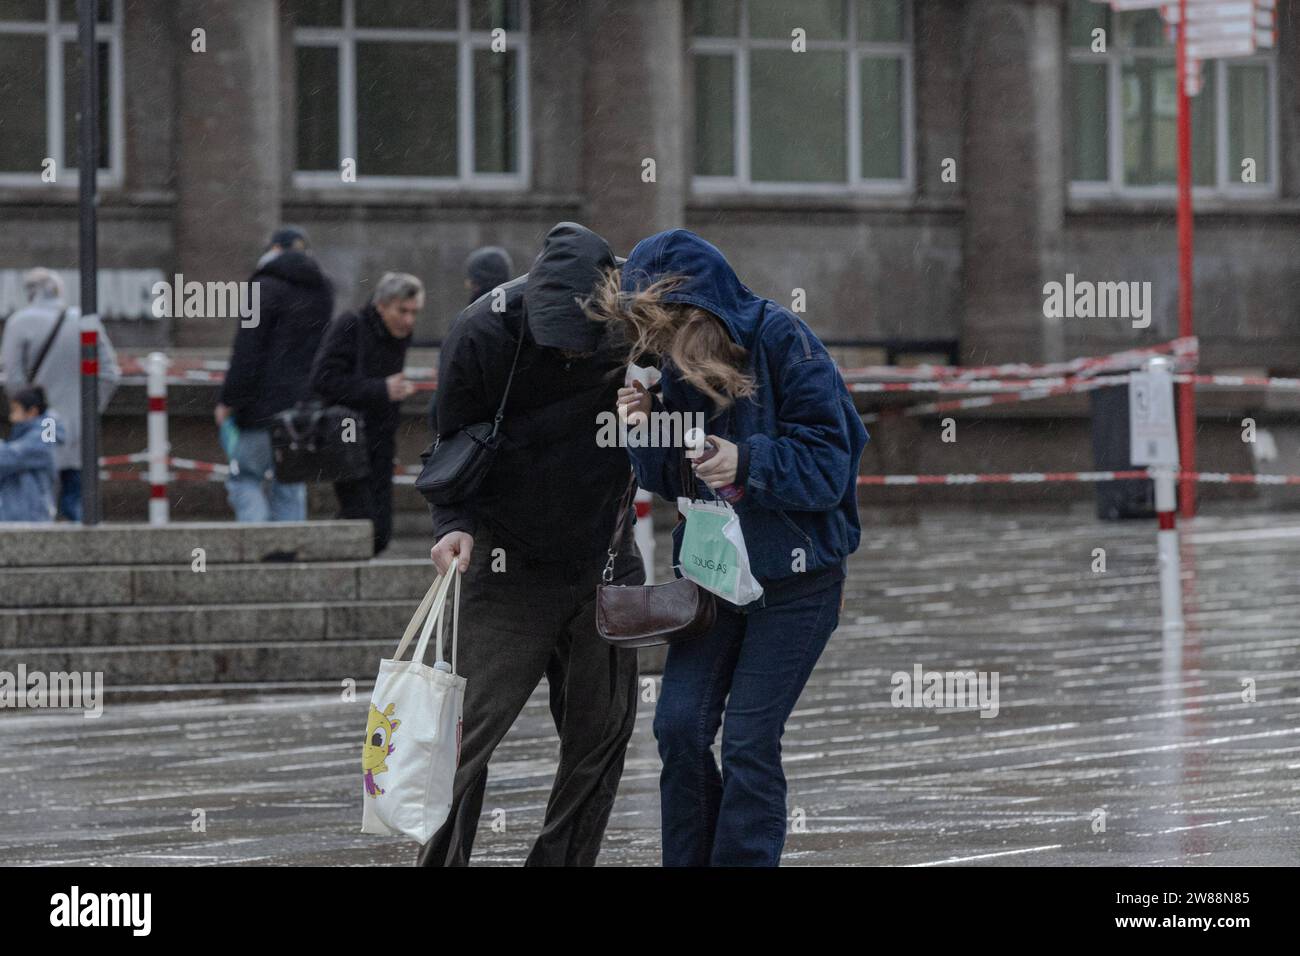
pixel 694 339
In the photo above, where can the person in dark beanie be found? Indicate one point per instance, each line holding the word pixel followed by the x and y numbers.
pixel 270 365
pixel 359 365
pixel 532 545
pixel 485 269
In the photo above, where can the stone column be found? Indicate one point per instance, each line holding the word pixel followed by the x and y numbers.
pixel 634 109
pixel 1014 178
pixel 228 166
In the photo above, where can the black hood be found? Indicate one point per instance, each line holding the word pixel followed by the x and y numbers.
pixel 572 261
pixel 296 267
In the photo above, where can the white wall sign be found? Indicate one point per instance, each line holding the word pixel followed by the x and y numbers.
pixel 123 293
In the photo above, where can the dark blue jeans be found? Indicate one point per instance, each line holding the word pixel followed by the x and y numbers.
pixel 753 667
pixel 70 493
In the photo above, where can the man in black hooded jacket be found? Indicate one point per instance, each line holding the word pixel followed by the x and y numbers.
pixel 532 545
pixel 269 369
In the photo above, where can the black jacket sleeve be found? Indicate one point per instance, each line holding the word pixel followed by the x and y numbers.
pixel 336 376
pixel 251 352
pixel 461 400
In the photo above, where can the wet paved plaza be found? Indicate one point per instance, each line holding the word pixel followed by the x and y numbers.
pixel 1101 721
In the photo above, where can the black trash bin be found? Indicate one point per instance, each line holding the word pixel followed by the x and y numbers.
pixel 1117 500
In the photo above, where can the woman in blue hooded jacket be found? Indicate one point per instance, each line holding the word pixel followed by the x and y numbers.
pixel 787 433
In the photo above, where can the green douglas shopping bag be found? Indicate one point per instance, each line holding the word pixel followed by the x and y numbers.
pixel 713 552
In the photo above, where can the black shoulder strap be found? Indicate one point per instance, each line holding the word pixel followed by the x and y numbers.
pixel 621 521
pixel 45 349
pixel 501 409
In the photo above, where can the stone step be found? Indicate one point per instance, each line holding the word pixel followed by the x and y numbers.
pixel 179 664
pixel 62 545
pixel 183 668
pixel 212 623
pixel 93 586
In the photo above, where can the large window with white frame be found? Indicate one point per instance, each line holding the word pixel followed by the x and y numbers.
pixel 1124 112
pixel 40 90
pixel 411 93
pixel 802 97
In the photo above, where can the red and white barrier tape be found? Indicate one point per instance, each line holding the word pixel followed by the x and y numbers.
pixel 1071 387
pixel 1036 477
pixel 106 475
pixel 1185 350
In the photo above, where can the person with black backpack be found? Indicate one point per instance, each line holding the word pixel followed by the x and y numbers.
pixel 359 366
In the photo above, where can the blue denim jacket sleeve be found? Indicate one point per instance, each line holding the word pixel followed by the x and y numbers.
pixel 807 465
pixel 26 452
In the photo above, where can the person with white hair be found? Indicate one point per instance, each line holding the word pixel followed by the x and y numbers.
pixel 41 345
pixel 359 365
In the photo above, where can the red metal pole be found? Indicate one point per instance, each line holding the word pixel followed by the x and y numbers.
pixel 1186 390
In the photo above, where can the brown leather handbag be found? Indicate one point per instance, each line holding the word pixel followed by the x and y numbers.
pixel 642 615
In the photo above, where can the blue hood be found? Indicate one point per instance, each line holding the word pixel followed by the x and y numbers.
pixel 707 279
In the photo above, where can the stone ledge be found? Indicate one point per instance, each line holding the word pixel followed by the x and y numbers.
pixel 68 545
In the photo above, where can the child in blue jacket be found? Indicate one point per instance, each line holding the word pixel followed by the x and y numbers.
pixel 27 470
pixel 788 435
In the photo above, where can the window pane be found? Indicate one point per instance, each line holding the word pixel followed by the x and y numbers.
pixel 317 13
pixel 715 100
pixel 31 11
pixel 418 14
pixel 881 79
pixel 1150 122
pixel 72 105
pixel 1203 130
pixel 1086 16
pixel 68 11
pixel 406 109
pixel 318 107
pixel 822 19
pixel 1090 143
pixel 1150 106
pixel 496 112
pixel 789 140
pixel 714 18
pixel 1142 28
pixel 491 14
pixel 1248 121
pixel 880 20
pixel 22 103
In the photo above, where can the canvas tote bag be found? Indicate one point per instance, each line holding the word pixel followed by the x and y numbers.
pixel 412 745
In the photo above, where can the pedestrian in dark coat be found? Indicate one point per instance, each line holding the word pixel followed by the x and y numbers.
pixel 532 541
pixel 270 369
pixel 359 366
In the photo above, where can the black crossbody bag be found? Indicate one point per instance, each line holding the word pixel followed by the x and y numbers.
pixel 307 443
pixel 454 467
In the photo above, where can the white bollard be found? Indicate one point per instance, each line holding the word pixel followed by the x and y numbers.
pixel 645 532
pixel 1165 474
pixel 1171 584
pixel 159 448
